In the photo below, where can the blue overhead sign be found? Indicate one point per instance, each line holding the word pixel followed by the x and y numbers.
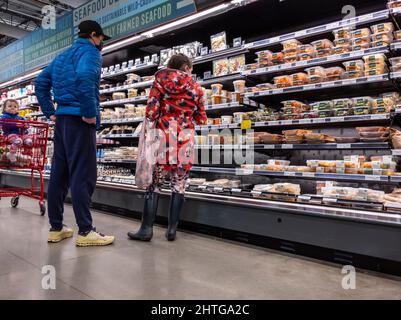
pixel 118 18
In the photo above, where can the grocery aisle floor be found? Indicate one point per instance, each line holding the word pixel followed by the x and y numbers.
pixel 193 267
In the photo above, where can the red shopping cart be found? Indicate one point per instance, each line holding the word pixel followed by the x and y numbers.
pixel 23 148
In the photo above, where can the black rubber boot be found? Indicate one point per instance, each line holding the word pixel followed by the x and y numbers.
pixel 176 202
pixel 145 232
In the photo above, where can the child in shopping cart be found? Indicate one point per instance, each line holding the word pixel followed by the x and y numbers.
pixel 11 112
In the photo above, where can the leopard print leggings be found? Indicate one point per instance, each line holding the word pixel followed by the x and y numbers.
pixel 178 180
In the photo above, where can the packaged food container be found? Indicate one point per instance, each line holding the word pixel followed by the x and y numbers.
pixel 217 121
pixel 317 79
pixel 325 113
pixel 320 53
pixel 345 42
pixel 361 110
pixel 322 44
pixel 360 33
pixel 291 59
pixel 383 27
pixel 316 71
pixel 335 73
pixel 342 49
pixel 291 44
pixel 226 119
pixel 217 99
pixel 265 86
pixel 361 47
pixel 356 65
pixel 236 97
pixel 377 44
pixel 341 112
pixel 277 58
pixel 342 103
pixel 385 36
pixel 283 81
pixel 299 79
pixel 307 49
pixel 309 115
pixel 394 4
pixel 322 105
pixel 216 89
pixel 263 62
pixel 252 66
pixel 353 74
pixel 209 121
pixel 119 95
pixel 362 101
pixel 397 35
pixel 375 72
pixel 379 109
pixel 295 104
pixel 239 86
pixel 276 162
pixel 306 56
pixel 132 93
pixel 238 116
pixel 361 41
pixel 343 33
pixel 265 54
pixel 395 62
pixel 290 116
pixel 312 163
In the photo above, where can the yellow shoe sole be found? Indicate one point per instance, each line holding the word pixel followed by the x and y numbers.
pixel 60 237
pixel 87 243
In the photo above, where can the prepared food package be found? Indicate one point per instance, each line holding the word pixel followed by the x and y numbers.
pixel 283 81
pixel 397 35
pixel 346 42
pixel 291 44
pixel 218 42
pixel 387 37
pixel 263 187
pixel 342 103
pixel 361 41
pixel 220 67
pixel 343 33
pixel 334 73
pixel 361 33
pixel 355 65
pixel 342 49
pixel 362 101
pixel 320 53
pixel 277 58
pixel 235 64
pixel 119 95
pixel 394 4
pixel 322 105
pixel 197 181
pixel 382 27
pixel 287 188
pixel 322 44
pixel 299 79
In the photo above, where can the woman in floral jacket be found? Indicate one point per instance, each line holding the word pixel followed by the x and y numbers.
pixel 175 103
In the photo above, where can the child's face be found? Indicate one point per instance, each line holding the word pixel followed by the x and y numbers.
pixel 12 108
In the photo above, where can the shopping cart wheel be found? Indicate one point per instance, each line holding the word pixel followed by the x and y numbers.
pixel 14 201
pixel 42 206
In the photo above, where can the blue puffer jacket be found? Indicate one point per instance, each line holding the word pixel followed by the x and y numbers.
pixel 74 76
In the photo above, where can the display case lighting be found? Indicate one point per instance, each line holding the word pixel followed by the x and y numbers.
pixel 19 79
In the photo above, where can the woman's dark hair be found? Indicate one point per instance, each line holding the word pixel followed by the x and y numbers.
pixel 179 61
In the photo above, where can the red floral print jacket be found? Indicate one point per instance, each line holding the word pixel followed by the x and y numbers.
pixel 176 104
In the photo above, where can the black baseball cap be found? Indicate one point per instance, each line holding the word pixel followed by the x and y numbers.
pixel 89 26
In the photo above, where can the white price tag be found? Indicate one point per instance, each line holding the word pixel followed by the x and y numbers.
pixel 305 121
pixel 277 91
pixel 269 146
pixel 259 124
pixel 287 146
pixel 202 187
pixel 373 177
pixel 327 84
pixel 218 189
pixel 304 198
pixel 339 119
pixel 236 190
pixel 286 122
pixel 319 120
pixel 204 169
pixel 256 193
pixel 273 123
pixel 244 172
pixel 343 146
pixel 333 200
pixel 289 173
pixel 308 174
pixel 379 116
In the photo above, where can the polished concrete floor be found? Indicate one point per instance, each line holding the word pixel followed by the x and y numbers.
pixel 193 267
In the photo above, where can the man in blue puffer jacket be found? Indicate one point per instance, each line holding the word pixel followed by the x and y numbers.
pixel 74 77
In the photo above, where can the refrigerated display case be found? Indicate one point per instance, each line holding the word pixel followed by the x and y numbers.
pixel 317 185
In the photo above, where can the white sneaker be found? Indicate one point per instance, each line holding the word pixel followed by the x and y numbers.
pixel 94 238
pixel 57 236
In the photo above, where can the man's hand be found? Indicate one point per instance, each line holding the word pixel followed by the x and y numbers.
pixel 53 118
pixel 89 120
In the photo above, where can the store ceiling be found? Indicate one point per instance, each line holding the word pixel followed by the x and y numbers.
pixel 19 17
